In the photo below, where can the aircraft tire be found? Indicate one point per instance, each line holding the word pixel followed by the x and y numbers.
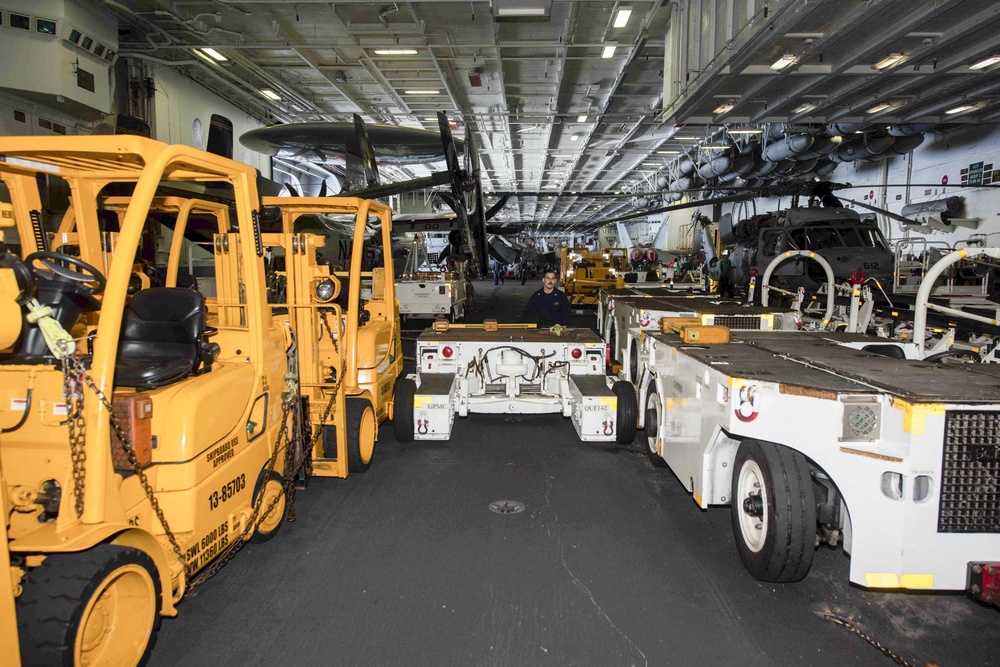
pixel 773 511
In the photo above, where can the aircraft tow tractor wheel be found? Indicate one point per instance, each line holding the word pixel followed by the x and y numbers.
pixel 402 409
pixel 273 492
pixel 99 607
pixel 654 412
pixel 628 411
pixel 360 434
pixel 773 511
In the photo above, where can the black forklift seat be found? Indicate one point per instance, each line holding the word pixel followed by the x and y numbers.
pixel 163 338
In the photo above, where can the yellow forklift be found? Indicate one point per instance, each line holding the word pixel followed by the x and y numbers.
pixel 147 432
pixel 585 272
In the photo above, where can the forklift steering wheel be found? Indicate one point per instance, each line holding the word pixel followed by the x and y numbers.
pixel 60 264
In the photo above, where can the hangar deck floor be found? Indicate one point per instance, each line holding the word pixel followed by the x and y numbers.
pixel 611 563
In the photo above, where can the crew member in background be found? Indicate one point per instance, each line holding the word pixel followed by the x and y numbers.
pixel 725 277
pixel 548 305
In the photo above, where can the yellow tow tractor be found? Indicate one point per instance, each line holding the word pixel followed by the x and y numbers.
pixel 148 432
pixel 585 272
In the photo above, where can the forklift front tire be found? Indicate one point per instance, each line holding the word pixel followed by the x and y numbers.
pixel 268 525
pixel 360 434
pixel 98 607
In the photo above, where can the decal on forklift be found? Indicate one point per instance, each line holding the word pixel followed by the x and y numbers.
pixel 223 452
pixel 60 409
pixel 18 404
pixel 228 490
pixel 209 546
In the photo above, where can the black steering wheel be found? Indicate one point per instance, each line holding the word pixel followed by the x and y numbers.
pixel 68 267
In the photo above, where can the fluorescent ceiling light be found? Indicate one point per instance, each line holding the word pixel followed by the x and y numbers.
pixel 270 94
pixel 395 52
pixel 784 61
pixel 648 164
pixel 609 51
pixel 804 108
pixel 746 130
pixel 582 118
pixel 420 91
pixel 521 11
pixel 622 17
pixel 575 136
pixel 961 109
pixel 889 61
pixel 714 147
pixel 723 108
pixel 215 55
pixel 668 152
pixel 878 107
pixel 992 60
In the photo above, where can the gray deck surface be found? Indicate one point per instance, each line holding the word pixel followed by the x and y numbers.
pixel 611 563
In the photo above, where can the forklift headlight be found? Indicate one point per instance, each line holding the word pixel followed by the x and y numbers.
pixel 326 290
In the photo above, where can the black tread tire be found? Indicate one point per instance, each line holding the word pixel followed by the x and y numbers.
pixel 628 412
pixel 356 409
pixel 269 477
pixel 402 410
pixel 789 541
pixel 57 592
pixel 652 427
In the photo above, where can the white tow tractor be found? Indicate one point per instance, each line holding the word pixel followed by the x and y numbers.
pixel 836 438
pixel 513 369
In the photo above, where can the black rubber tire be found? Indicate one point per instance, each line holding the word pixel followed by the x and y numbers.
pixel 57 593
pixel 263 532
pixel 633 362
pixel 402 409
pixel 360 418
pixel 628 412
pixel 783 550
pixel 651 424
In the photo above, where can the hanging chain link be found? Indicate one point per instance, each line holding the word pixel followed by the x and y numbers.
pixel 847 623
pixel 75 373
pixel 73 393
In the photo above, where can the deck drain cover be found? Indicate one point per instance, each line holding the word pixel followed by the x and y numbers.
pixel 506 507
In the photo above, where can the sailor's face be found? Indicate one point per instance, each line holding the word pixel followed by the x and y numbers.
pixel 549 282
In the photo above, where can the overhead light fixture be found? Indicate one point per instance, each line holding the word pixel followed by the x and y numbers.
pixel 746 130
pixel 420 91
pixel 723 108
pixel 648 164
pixel 784 61
pixel 804 108
pixel 395 52
pixel 992 60
pixel 714 147
pixel 889 61
pixel 575 136
pixel 212 53
pixel 622 17
pixel 582 118
pixel 609 51
pixel 960 109
pixel 878 107
pixel 270 94
pixel 668 152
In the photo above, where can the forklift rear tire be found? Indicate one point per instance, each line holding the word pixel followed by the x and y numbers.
pixel 269 525
pixel 360 434
pixel 98 607
pixel 773 511
pixel 628 412
pixel 654 412
pixel 402 410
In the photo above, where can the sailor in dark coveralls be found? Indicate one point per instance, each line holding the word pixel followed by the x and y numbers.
pixel 548 305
